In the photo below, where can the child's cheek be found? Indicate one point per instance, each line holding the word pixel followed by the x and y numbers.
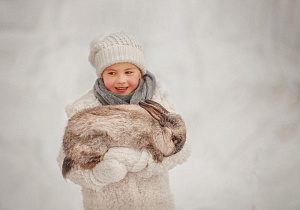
pixel 109 84
pixel 134 82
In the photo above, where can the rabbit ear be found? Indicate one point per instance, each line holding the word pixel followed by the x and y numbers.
pixel 154 112
pixel 158 106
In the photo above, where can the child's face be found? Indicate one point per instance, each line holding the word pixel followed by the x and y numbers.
pixel 121 78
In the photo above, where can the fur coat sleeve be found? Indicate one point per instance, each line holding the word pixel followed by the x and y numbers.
pixel 119 161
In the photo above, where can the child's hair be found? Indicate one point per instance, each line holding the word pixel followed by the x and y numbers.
pixel 116 48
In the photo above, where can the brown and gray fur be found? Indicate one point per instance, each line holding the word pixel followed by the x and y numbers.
pixel 91 132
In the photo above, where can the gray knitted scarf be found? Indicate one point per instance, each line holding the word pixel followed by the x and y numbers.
pixel 145 90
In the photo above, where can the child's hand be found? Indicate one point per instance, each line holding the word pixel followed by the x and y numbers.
pixel 118 161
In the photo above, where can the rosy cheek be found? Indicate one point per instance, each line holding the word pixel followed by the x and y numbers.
pixel 108 84
pixel 134 83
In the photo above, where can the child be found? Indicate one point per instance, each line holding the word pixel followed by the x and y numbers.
pixel 125 178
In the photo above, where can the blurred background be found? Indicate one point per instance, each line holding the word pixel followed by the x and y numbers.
pixel 232 69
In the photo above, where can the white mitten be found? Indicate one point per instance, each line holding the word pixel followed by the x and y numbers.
pixel 117 162
pixel 108 171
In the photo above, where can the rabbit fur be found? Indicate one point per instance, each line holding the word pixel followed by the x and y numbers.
pixel 91 132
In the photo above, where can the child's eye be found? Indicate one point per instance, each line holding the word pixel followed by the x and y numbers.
pixel 128 72
pixel 111 73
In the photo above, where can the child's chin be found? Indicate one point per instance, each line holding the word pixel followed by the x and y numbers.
pixel 127 92
pixel 122 94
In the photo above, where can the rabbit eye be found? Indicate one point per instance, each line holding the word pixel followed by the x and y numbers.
pixel 174 139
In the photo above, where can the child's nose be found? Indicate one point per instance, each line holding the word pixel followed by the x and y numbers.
pixel 121 78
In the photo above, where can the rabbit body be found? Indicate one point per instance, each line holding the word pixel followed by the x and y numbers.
pixel 91 132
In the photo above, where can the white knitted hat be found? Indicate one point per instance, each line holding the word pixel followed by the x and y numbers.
pixel 116 48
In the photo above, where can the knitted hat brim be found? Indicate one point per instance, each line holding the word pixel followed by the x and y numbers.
pixel 119 54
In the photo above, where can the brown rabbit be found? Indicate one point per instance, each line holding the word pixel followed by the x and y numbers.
pixel 91 132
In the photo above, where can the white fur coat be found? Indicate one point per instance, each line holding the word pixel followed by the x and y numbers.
pixel 126 178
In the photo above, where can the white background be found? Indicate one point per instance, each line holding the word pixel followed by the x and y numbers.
pixel 232 68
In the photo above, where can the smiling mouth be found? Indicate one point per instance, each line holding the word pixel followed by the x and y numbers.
pixel 121 89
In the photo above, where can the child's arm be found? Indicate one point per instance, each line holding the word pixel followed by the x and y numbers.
pixel 118 161
pixel 161 96
pixel 86 101
pixel 149 166
pixel 116 164
pixel 168 163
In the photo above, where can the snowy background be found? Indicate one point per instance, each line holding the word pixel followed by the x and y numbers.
pixel 232 68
